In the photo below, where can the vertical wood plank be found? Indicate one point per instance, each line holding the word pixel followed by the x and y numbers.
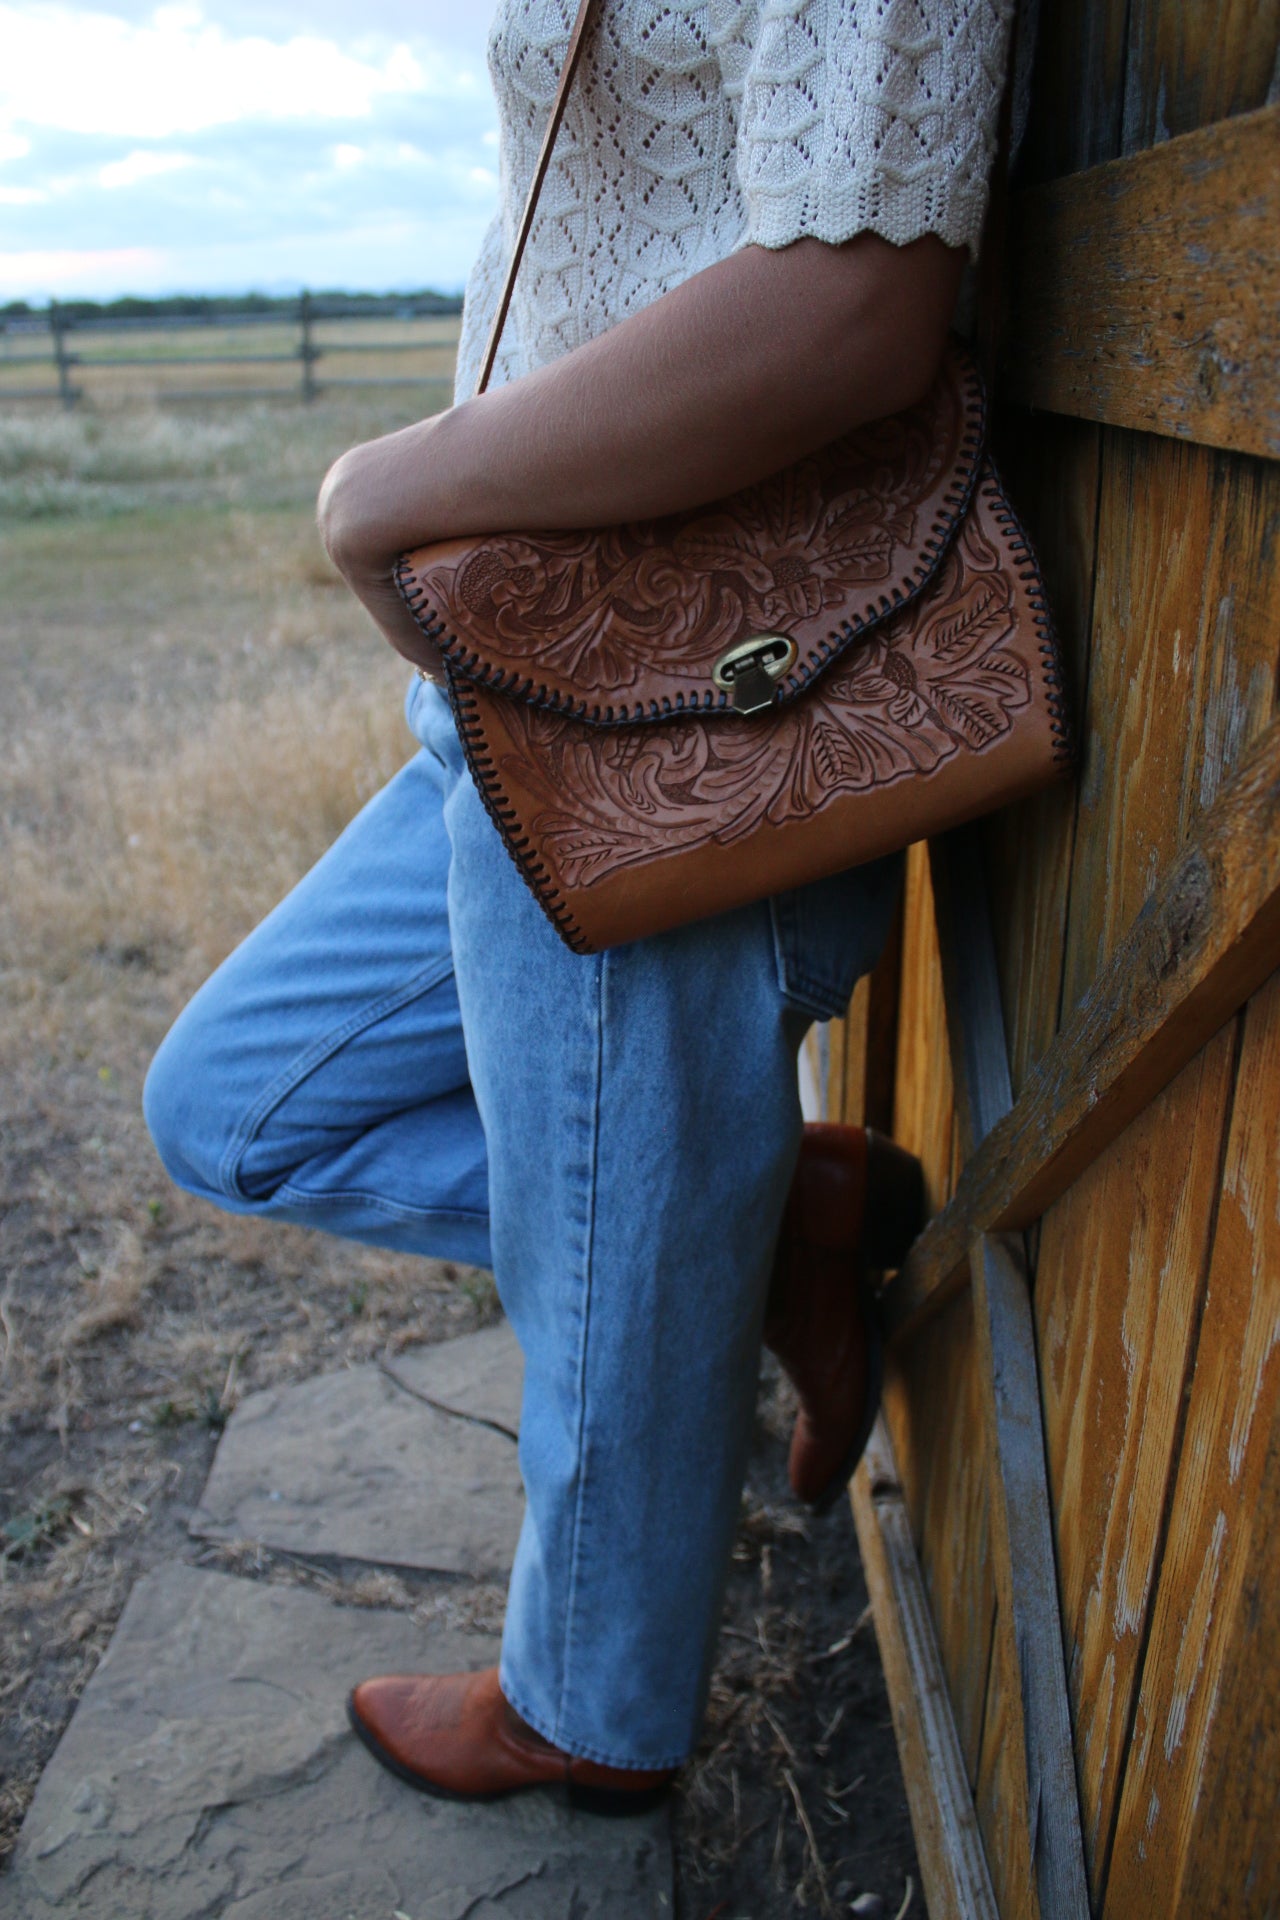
pixel 922 1111
pixel 933 1408
pixel 1119 1288
pixel 1000 1797
pixel 1240 597
pixel 953 1864
pixel 863 1045
pixel 1052 465
pixel 1190 65
pixel 1183 667
pixel 846 1048
pixel 932 1400
pixel 879 1064
pixel 1077 88
pixel 1037 1760
pixel 1197 1830
pixel 1151 537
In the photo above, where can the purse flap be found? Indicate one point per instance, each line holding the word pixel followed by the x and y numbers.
pixel 630 622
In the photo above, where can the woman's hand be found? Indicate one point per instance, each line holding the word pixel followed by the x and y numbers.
pixel 748 365
pixel 365 531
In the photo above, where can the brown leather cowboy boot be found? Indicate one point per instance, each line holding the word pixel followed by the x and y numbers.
pixel 455 1735
pixel 856 1204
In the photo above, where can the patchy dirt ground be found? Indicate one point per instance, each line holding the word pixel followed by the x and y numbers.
pixel 795 1802
pixel 133 1320
pixel 190 709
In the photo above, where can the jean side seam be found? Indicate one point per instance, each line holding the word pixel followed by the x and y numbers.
pixel 292 1077
pixel 589 1271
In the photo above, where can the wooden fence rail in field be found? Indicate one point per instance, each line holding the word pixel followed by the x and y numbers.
pixel 52 335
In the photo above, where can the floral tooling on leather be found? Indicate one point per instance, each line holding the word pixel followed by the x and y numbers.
pixel 940 678
pixel 647 608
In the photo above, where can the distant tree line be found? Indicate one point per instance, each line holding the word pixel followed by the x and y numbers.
pixel 213 307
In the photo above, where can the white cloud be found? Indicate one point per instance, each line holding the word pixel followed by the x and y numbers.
pixel 142 164
pixel 220 144
pixel 91 72
pixel 87 270
pixel 402 74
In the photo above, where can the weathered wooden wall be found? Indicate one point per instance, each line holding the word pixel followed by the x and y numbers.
pixel 1139 427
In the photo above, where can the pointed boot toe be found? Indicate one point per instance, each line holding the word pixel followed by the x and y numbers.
pixel 455 1735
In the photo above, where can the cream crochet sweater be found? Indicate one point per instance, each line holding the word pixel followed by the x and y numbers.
pixel 698 126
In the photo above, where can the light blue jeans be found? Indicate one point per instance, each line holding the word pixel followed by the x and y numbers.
pixel 405 1053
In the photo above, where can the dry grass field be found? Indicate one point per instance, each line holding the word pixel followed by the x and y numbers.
pixel 191 707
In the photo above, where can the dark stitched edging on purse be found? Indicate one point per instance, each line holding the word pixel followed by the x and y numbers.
pixel 822 655
pixel 482 756
pixel 1006 516
pixel 484 773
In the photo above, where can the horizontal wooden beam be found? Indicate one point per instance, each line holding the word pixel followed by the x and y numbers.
pixel 1146 293
pixel 1205 940
pixel 953 1865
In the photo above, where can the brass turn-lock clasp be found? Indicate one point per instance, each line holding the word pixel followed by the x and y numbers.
pixel 748 671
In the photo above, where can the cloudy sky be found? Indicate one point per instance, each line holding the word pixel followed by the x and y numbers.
pixel 215 145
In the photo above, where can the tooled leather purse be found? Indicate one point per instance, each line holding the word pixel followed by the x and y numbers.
pixel 678 716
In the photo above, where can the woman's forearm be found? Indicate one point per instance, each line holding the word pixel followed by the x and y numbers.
pixel 744 367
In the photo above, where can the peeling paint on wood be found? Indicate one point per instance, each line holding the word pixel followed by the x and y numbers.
pixel 1165 719
pixel 1197 1831
pixel 1117 1300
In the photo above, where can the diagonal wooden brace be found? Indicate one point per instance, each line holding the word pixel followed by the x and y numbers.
pixel 1021 1521
pixel 1206 939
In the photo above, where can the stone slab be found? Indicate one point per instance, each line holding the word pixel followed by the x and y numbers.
pixel 209 1771
pixel 480 1375
pixel 355 1465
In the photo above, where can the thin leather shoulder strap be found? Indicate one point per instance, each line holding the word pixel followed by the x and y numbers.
pixel 577 40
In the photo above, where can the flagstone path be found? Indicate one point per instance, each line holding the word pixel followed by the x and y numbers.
pixel 208 1772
